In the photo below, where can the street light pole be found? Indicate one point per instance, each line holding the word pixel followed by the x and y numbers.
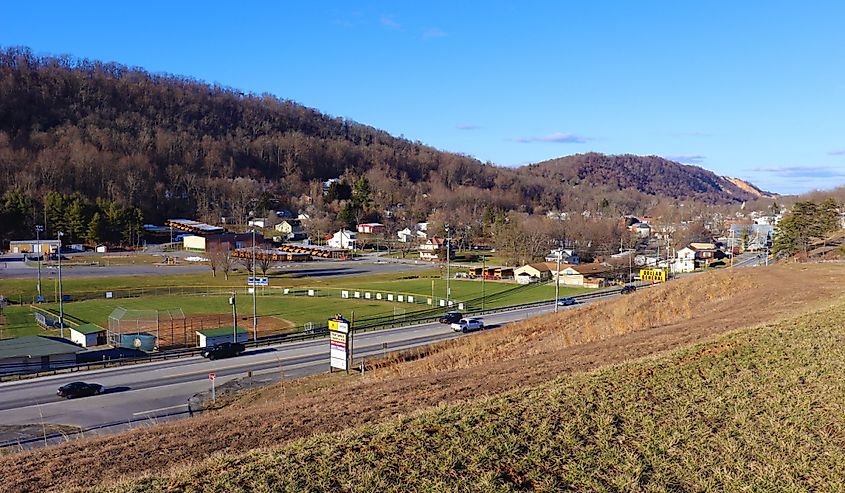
pixel 38 229
pixel 61 306
pixel 254 288
pixel 557 278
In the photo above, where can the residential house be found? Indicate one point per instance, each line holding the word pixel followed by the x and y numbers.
pixel 642 230
pixel 344 239
pixel 531 273
pixel 291 229
pixel 406 235
pixel 584 275
pixel 258 222
pixel 433 249
pixel 371 228
pixel 567 256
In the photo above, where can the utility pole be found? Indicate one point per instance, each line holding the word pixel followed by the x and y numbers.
pixel 733 247
pixel 254 289
pixel 38 229
pixel 61 306
pixel 448 247
pixel 557 276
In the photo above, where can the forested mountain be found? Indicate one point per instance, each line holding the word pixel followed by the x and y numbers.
pixel 80 137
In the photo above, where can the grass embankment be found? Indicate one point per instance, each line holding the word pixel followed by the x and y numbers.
pixel 525 355
pixel 760 410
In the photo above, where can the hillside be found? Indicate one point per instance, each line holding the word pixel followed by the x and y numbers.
pixel 172 146
pixel 518 358
pixel 650 175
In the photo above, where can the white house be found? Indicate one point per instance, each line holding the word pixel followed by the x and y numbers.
pixel 258 222
pixel 534 272
pixel 344 239
pixel 213 337
pixel 405 235
pixel 567 256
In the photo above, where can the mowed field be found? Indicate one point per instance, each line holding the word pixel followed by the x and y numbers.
pixel 723 381
pixel 280 312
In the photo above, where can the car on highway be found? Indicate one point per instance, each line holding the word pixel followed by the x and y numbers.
pixel 79 389
pixel 467 324
pixel 223 350
pixel 450 317
pixel 566 302
pixel 628 289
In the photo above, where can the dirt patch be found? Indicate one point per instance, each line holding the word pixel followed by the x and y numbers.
pixel 531 352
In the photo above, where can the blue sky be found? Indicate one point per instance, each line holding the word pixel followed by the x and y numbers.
pixel 751 89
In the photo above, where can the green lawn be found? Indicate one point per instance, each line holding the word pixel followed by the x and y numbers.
pixel 20 322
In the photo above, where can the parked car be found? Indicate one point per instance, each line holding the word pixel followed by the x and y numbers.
pixel 566 301
pixel 223 350
pixel 79 389
pixel 450 317
pixel 467 325
pixel 628 289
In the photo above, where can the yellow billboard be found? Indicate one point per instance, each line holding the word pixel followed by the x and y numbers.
pixel 652 275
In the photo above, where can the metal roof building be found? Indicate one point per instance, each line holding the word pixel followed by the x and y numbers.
pixel 36 353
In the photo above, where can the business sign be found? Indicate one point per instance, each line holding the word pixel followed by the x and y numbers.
pixel 257 281
pixel 652 275
pixel 339 343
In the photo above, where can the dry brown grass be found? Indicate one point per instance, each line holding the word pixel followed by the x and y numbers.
pixel 531 352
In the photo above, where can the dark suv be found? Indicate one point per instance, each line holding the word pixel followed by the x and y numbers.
pixel 223 350
pixel 628 289
pixel 450 317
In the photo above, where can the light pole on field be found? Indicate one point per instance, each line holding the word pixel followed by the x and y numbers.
pixel 61 306
pixel 448 245
pixel 254 288
pixel 38 229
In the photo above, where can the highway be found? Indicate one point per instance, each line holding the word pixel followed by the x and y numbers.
pixel 146 393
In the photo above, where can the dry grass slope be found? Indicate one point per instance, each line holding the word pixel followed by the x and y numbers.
pixel 759 409
pixel 526 354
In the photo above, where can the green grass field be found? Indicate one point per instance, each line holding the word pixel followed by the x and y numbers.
pixel 756 410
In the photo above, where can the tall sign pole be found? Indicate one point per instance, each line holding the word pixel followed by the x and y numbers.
pixel 61 306
pixel 483 275
pixel 254 289
pixel 232 302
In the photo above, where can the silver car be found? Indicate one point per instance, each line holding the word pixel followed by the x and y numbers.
pixel 467 325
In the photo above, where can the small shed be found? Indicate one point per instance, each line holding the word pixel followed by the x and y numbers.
pixel 87 335
pixel 213 337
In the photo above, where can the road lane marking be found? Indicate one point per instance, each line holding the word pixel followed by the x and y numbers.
pixel 160 409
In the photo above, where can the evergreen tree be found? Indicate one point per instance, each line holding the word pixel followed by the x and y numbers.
pixel 96 229
pixel 55 205
pixel 74 220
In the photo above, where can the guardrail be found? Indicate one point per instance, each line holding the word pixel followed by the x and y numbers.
pixel 16 372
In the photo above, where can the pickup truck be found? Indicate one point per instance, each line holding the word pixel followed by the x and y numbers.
pixel 467 324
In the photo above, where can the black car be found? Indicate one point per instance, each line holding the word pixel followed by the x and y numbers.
pixel 79 389
pixel 224 350
pixel 450 317
pixel 628 289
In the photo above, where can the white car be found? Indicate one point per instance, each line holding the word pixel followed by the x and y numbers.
pixel 467 324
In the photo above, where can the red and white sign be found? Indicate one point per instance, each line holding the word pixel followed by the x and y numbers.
pixel 211 376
